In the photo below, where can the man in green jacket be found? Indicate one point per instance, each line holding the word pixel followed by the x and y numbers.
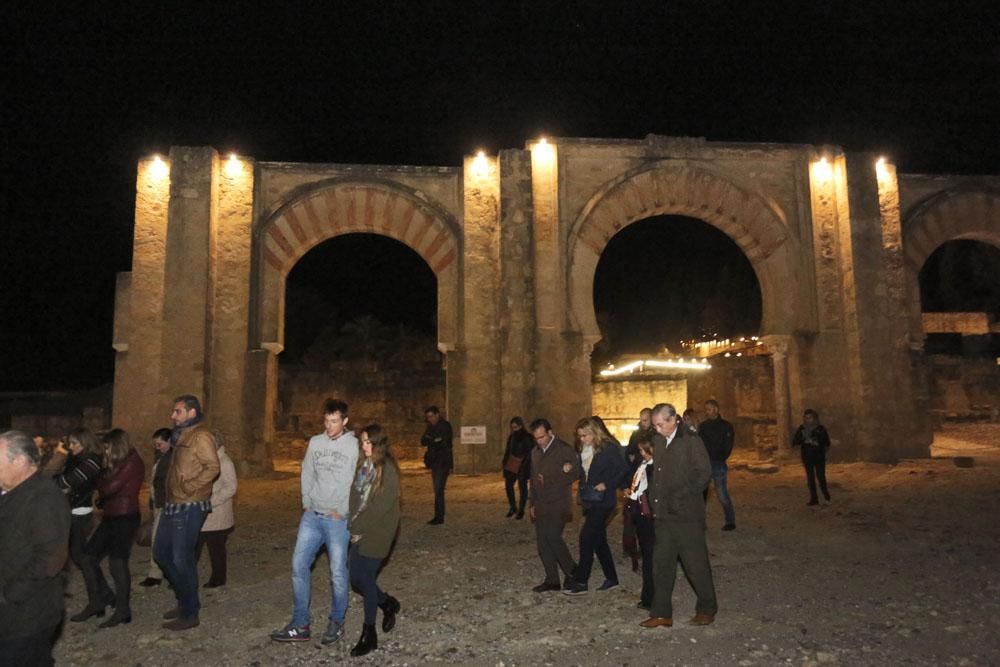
pixel 682 472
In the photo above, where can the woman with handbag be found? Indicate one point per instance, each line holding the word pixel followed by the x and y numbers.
pixel 374 520
pixel 602 469
pixel 118 496
pixel 516 465
pixel 638 512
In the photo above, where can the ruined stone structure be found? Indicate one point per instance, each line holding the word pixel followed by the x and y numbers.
pixel 835 239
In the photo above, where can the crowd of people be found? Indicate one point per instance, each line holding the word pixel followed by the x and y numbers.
pixel 351 506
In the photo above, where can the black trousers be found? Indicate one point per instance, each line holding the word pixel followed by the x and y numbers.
pixel 112 538
pixel 815 465
pixel 34 650
pixel 216 542
pixel 509 479
pixel 646 535
pixel 552 547
pixel 594 541
pixel 79 531
pixel 683 541
pixel 439 477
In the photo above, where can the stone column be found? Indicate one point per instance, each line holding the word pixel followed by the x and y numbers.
pixel 229 313
pixel 139 303
pixel 517 305
pixel 479 358
pixel 778 346
pixel 185 362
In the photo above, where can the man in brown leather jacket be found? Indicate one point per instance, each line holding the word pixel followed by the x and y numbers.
pixel 193 469
pixel 682 472
pixel 555 465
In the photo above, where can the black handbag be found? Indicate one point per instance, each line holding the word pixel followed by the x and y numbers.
pixel 590 494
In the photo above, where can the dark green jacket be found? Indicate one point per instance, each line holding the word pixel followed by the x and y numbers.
pixel 378 521
pixel 34 534
pixel 682 473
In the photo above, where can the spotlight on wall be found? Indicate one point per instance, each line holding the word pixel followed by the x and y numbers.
pixel 543 150
pixel 822 169
pixel 480 165
pixel 233 166
pixel 158 168
pixel 881 168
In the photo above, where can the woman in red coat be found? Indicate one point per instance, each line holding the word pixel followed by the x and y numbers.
pixel 118 496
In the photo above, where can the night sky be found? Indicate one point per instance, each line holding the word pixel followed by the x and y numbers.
pixel 88 92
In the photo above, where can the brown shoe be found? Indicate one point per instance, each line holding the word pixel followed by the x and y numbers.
pixel 172 614
pixel 701 618
pixel 657 622
pixel 182 623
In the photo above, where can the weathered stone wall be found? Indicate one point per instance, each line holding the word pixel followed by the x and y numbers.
pixel 618 401
pixel 392 394
pixel 514 241
pixel 962 387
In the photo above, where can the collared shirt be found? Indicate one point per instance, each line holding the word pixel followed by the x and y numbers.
pixel 548 444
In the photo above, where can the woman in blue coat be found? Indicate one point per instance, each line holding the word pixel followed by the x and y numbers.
pixel 602 470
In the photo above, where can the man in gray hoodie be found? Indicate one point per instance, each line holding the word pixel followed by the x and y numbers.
pixel 327 474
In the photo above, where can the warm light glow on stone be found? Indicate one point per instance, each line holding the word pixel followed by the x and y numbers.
pixel 543 151
pixel 480 165
pixel 657 363
pixel 882 169
pixel 158 168
pixel 233 166
pixel 822 171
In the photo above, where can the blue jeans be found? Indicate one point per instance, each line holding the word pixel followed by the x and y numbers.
pixel 174 552
pixel 316 530
pixel 719 473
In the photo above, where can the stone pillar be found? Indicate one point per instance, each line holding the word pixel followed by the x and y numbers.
pixel 139 303
pixel 517 306
pixel 229 312
pixel 192 217
pixel 557 351
pixel 479 358
pixel 913 421
pixel 779 346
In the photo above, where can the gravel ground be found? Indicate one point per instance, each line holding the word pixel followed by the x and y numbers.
pixel 899 569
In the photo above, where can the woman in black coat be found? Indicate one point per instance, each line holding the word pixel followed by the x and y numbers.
pixel 518 456
pixel 602 470
pixel 78 481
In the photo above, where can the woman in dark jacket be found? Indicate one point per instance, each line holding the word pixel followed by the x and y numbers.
pixel 811 437
pixel 78 481
pixel 519 444
pixel 639 513
pixel 374 519
pixel 602 471
pixel 118 495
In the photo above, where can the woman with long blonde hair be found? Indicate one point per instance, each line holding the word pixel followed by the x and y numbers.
pixel 602 470
pixel 374 519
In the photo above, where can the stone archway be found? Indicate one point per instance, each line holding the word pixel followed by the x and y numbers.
pixel 332 208
pixel 970 213
pixel 756 225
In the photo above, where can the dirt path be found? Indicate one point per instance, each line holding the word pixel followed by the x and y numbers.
pixel 901 568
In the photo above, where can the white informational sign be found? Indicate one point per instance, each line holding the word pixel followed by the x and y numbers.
pixel 474 435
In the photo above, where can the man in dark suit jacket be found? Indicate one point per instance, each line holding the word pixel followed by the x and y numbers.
pixel 682 472
pixel 554 467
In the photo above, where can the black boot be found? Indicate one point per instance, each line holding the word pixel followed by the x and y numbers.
pixel 389 610
pixel 367 643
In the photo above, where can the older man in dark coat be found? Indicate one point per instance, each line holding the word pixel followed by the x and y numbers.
pixel 34 546
pixel 682 472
